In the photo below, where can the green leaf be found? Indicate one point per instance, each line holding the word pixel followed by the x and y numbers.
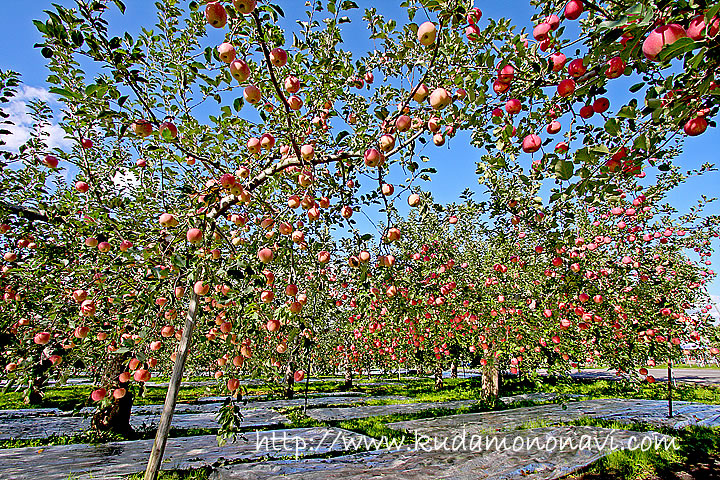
pixel 678 48
pixel 612 126
pixel 564 169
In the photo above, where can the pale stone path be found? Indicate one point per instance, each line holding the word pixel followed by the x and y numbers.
pixel 114 460
pixel 43 427
pixel 653 412
pixel 42 423
pixel 529 454
pixel 346 413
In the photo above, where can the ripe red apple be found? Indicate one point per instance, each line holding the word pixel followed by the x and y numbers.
pixel 292 84
pixel 541 31
pixel 240 70
pixel 267 141
pixel 506 74
pixel 141 375
pixel 98 395
pixel 168 130
pixel 426 33
pixel 299 376
pixel 553 127
pixel 86 143
pixel 245 7
pixel 472 32
pixel 50 161
pixel 616 67
pixel 474 15
pixel 387 142
pixel 393 234
pixel 194 236
pixel 201 289
pixel 278 57
pixel 661 37
pixel 695 126
pixel 554 21
pixel 440 98
pixel 513 106
pixel 323 257
pixel 531 143
pixel 697 29
pixel 601 105
pixel 414 200
pixel 387 189
pixel 119 393
pixel 308 152
pixel 373 157
pixel 265 255
pixel 226 52
pixel 104 247
pixel 566 87
pixel 41 338
pixel 587 111
pixel 573 9
pixel 500 87
pixel 168 220
pixel 252 94
pixel 216 15
pixel 558 60
pixel 402 124
pixel 421 93
pixel 577 68
pixel 142 128
pixel 82 187
pixel 91 242
pixel 233 384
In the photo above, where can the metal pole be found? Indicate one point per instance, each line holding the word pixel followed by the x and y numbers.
pixel 670 410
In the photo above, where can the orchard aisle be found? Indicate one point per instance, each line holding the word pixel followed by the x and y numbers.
pixel 122 458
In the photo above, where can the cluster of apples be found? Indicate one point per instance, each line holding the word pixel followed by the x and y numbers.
pixel 665 35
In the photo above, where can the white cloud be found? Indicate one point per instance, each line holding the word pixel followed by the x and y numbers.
pixel 22 127
pixel 715 302
pixel 125 180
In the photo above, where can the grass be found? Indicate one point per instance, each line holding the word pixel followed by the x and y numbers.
pixel 610 388
pixel 695 446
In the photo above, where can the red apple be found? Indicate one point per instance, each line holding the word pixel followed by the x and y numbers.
pixel 426 33
pixel 226 52
pixel 531 143
pixel 245 7
pixel 573 9
pixel 695 126
pixel 216 15
pixel 98 395
pixel 278 57
pixel 661 37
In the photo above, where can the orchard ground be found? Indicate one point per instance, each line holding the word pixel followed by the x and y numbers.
pixel 697 457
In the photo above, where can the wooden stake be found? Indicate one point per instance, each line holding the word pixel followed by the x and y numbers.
pixel 158 450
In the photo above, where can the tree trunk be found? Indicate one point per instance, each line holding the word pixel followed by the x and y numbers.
pixel 453 370
pixel 37 384
pixel 289 381
pixel 490 383
pixel 115 417
pixel 438 378
pixel 348 376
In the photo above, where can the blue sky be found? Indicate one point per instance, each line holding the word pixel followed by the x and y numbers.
pixel 455 164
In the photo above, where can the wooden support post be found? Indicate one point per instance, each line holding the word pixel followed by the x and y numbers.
pixel 158 449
